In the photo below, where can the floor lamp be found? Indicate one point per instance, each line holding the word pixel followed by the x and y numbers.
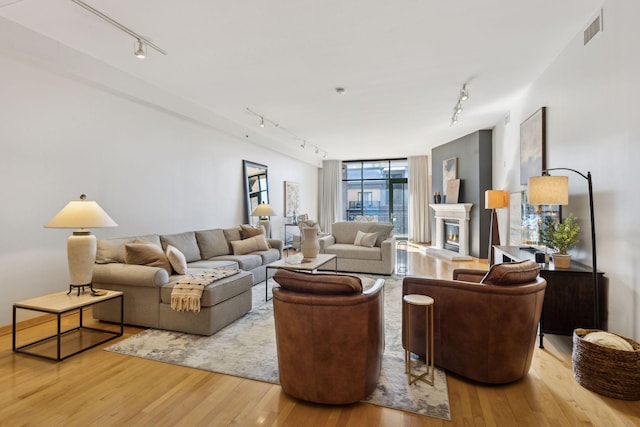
pixel 494 199
pixel 554 190
pixel 264 211
pixel 81 246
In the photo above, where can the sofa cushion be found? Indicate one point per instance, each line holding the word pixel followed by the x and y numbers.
pixel 212 264
pixel 318 284
pixel 511 273
pixel 185 242
pixel 232 234
pixel 345 231
pixel 212 243
pixel 112 250
pixel 365 239
pixel 269 256
pixel 252 244
pixel 142 253
pixel 177 260
pixel 216 292
pixel 245 262
pixel 349 251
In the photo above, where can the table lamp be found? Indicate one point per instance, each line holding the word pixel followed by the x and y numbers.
pixel 495 199
pixel 264 211
pixel 81 245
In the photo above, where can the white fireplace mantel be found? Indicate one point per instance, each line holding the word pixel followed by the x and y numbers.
pixel 456 211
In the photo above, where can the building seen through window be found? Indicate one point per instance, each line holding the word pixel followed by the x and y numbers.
pixel 377 189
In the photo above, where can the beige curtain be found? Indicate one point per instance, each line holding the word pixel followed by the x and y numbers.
pixel 419 223
pixel 330 194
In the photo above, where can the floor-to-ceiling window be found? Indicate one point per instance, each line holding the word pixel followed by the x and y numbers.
pixel 378 189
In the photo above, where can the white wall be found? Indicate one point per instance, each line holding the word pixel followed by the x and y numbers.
pixel 591 94
pixel 64 132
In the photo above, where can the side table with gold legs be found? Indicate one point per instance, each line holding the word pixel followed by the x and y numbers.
pixel 427 303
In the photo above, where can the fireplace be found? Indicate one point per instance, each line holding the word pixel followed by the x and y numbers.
pixel 452 230
pixel 452 235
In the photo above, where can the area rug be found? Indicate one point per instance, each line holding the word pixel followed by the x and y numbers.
pixel 247 348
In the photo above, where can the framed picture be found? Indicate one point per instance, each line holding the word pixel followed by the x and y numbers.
pixel 449 172
pixel 453 191
pixel 292 198
pixel 533 145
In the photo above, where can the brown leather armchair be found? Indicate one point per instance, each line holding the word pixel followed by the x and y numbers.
pixel 485 323
pixel 329 334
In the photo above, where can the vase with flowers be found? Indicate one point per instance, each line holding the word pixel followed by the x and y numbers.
pixel 560 237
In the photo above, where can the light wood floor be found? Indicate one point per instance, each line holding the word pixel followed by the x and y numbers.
pixel 101 388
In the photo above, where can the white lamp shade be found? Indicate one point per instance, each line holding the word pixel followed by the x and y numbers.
pixel 81 214
pixel 549 190
pixel 263 209
pixel 496 199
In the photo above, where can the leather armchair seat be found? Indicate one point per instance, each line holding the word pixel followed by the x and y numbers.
pixel 485 323
pixel 330 336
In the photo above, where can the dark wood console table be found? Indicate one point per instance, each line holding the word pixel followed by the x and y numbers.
pixel 568 299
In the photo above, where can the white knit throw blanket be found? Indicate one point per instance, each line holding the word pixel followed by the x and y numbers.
pixel 187 292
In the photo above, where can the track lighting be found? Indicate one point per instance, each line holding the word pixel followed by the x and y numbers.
pixel 464 95
pixel 302 142
pixel 139 50
pixel 142 42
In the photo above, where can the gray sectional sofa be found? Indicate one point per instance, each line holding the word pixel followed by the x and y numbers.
pixel 147 289
pixel 377 257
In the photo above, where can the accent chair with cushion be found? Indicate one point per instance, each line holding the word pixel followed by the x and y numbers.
pixel 485 322
pixel 329 334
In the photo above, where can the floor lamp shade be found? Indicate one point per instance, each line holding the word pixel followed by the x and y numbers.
pixel 81 215
pixel 264 211
pixel 549 190
pixel 494 199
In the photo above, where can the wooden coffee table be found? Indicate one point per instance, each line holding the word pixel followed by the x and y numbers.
pixel 310 265
pixel 80 337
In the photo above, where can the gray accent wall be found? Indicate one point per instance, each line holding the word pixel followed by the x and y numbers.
pixel 473 153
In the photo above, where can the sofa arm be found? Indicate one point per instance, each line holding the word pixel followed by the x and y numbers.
pixel 130 274
pixel 388 248
pixel 468 275
pixel 276 244
pixel 326 241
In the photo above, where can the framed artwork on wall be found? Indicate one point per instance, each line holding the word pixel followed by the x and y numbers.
pixel 449 172
pixel 292 198
pixel 533 145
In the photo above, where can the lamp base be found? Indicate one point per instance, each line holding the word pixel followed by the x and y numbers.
pixel 81 288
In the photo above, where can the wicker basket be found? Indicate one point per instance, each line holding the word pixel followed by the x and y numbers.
pixel 604 370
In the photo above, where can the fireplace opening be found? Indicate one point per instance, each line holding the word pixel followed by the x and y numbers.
pixel 452 235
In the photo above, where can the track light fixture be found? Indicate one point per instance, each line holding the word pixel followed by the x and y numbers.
pixel 139 51
pixel 303 142
pixel 457 109
pixel 464 93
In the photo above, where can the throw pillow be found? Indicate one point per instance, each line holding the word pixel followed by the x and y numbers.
pixel 247 231
pixel 177 260
pixel 607 339
pixel 247 246
pixel 146 254
pixel 511 273
pixel 365 239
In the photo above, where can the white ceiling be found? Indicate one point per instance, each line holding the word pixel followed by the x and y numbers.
pixel 401 62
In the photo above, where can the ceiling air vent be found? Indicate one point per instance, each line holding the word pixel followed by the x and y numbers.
pixel 593 29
